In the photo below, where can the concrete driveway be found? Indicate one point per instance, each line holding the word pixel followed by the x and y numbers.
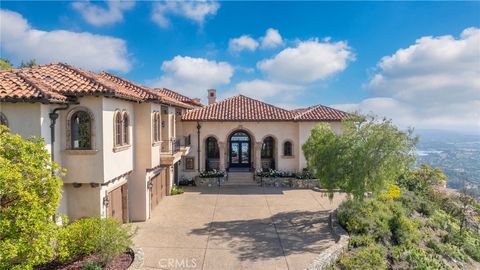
pixel 237 228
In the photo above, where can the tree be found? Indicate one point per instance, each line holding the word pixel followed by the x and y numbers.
pixel 30 63
pixel 368 156
pixel 5 64
pixel 29 196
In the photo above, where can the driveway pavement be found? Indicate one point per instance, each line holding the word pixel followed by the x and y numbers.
pixel 237 228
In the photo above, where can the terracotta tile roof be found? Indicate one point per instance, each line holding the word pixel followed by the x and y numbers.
pixel 242 108
pixel 238 108
pixel 147 94
pixel 178 96
pixel 16 87
pixel 58 82
pixel 319 113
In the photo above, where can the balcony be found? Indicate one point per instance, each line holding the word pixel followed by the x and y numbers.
pixel 172 150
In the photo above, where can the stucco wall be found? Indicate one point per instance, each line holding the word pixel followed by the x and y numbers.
pixel 23 118
pixel 83 166
pixel 304 129
pixel 120 162
pixel 295 132
pixel 146 156
pixel 280 131
pixel 83 201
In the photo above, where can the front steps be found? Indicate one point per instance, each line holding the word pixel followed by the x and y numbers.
pixel 240 179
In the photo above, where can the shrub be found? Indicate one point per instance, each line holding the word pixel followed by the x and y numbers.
pixel 361 240
pixel 364 258
pixel 29 196
pixel 176 190
pixel 393 192
pixel 212 174
pixel 103 236
pixel 416 258
pixel 368 217
pixel 91 265
pixel 403 229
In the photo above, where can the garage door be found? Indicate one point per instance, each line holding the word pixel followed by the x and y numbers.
pixel 159 188
pixel 117 204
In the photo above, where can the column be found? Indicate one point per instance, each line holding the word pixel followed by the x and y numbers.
pixel 257 153
pixel 221 149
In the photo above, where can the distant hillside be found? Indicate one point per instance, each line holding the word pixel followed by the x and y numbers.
pixel 458 154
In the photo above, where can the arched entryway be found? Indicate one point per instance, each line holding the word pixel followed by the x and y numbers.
pixel 240 154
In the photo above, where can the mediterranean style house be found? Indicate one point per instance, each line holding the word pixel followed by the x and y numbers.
pixel 125 145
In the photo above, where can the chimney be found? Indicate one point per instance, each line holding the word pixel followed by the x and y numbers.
pixel 212 96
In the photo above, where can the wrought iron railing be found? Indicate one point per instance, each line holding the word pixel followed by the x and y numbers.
pixel 174 145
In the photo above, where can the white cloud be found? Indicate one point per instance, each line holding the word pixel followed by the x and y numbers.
pixel 272 39
pixel 262 89
pixel 193 76
pixel 241 43
pixel 86 50
pixel 434 83
pixel 309 61
pixel 196 11
pixel 96 15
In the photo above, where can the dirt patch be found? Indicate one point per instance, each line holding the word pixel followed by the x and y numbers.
pixel 121 262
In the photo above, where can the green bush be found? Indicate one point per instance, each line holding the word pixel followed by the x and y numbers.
pixel 416 258
pixel 403 229
pixel 370 216
pixel 91 265
pixel 103 236
pixel 29 196
pixel 176 190
pixel 361 240
pixel 365 258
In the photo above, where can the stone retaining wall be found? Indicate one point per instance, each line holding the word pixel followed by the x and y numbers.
pixel 287 182
pixel 331 254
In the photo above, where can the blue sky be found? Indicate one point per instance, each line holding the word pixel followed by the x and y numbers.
pixel 318 52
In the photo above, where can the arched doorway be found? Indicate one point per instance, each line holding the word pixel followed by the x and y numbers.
pixel 239 150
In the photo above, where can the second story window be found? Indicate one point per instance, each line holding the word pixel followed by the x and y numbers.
pixel 81 128
pixel 156 125
pixel 126 133
pixel 121 134
pixel 118 128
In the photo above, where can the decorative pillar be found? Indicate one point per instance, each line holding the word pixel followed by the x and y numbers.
pixel 258 151
pixel 221 149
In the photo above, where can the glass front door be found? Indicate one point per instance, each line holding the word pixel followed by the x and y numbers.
pixel 240 150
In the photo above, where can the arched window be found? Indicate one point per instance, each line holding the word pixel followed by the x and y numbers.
pixel 81 131
pixel 287 149
pixel 267 147
pixel 156 126
pixel 118 128
pixel 212 148
pixel 126 133
pixel 3 119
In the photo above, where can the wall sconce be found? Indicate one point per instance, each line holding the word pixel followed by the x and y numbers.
pixel 94 185
pixel 106 201
pixel 77 185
